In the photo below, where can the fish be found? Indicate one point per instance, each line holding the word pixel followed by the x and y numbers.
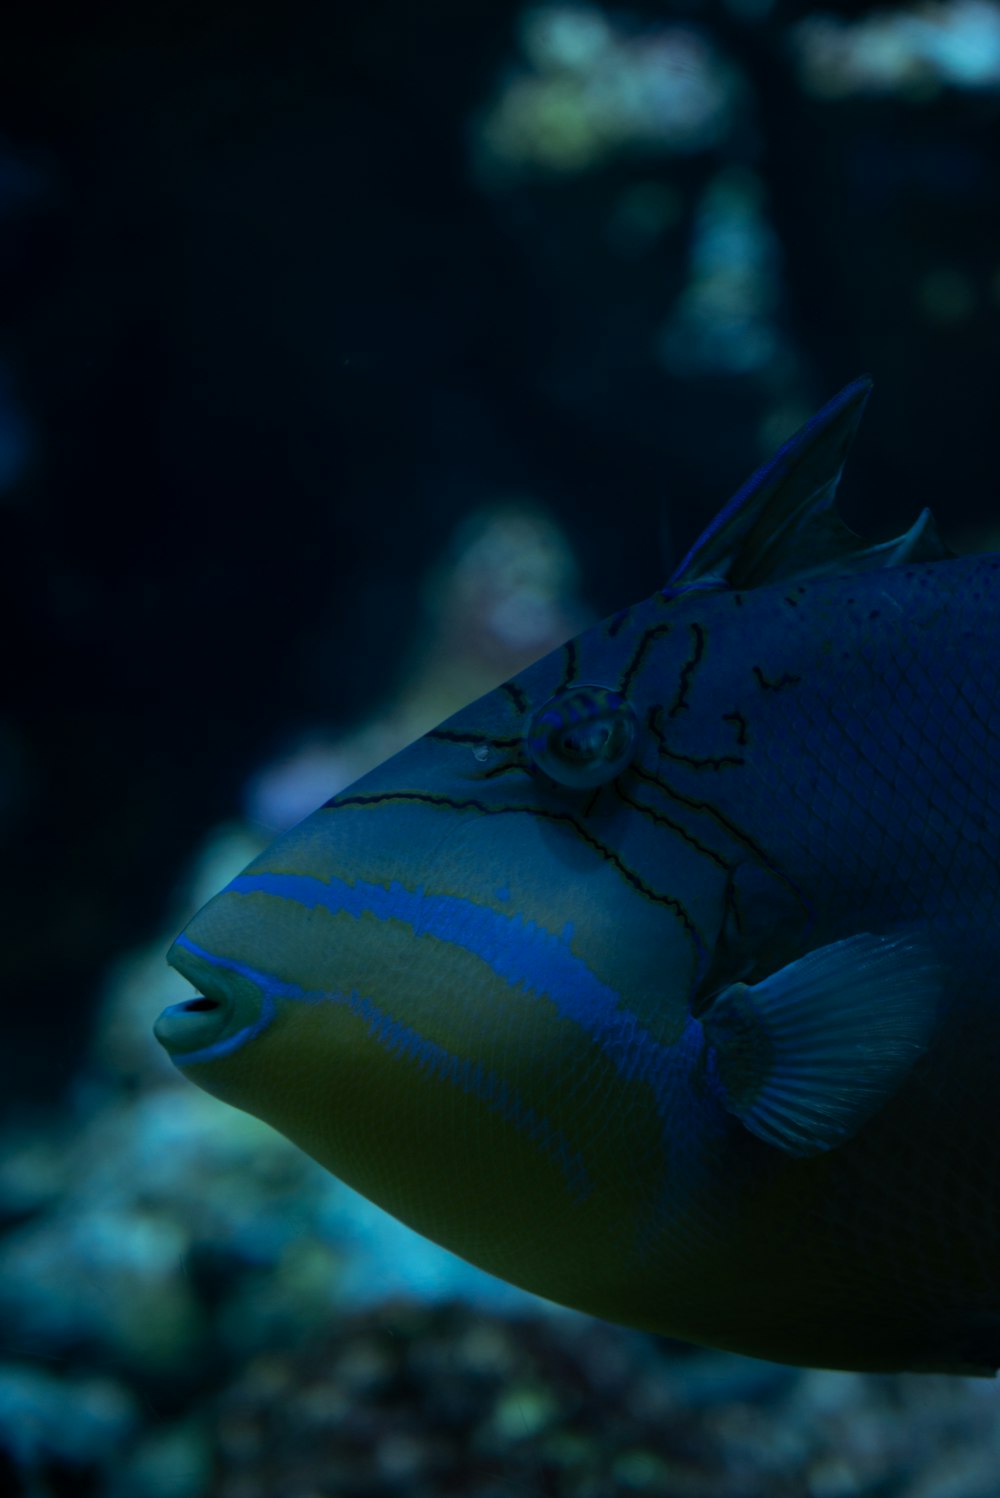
pixel 661 980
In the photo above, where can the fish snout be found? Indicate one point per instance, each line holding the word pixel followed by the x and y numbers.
pixel 227 1007
pixel 191 1025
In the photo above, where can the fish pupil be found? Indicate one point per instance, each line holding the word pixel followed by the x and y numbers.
pixel 587 742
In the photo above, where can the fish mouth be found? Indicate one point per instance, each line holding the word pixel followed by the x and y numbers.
pixel 197 1022
pixel 190 1025
pixel 228 1008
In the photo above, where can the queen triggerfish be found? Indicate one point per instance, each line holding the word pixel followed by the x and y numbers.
pixel 662 980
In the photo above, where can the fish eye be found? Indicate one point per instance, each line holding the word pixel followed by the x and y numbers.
pixel 584 736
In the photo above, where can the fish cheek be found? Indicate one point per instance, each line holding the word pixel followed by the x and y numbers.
pixel 465 1105
pixel 636 922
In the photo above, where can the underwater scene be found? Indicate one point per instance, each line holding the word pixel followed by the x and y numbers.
pixel 456 611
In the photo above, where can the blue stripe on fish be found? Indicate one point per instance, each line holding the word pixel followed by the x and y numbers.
pixel 516 948
pixel 270 989
pixel 470 1077
pixel 402 1040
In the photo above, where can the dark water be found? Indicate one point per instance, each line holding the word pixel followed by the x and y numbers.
pixel 351 356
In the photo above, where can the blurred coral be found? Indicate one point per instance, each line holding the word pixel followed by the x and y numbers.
pixel 593 84
pixel 915 50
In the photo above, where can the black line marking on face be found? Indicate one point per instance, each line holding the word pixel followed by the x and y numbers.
pixel 517 697
pixel 680 702
pixel 518 766
pixel 450 803
pixel 697 762
pixel 452 736
pixel 786 679
pixel 661 819
pixel 587 810
pixel 741 838
pixel 646 639
pixel 742 731
pixel 571 665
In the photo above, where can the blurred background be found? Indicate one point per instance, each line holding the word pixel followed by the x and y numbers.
pixel 352 356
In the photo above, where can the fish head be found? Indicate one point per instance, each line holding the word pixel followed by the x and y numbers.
pixel 454 983
pixel 469 984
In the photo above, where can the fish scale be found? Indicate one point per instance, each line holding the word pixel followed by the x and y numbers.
pixel 661 980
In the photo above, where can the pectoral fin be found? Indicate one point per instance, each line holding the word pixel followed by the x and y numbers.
pixel 805 1057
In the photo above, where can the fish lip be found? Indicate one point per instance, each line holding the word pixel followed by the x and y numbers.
pixel 191 1024
pixel 187 962
pixel 197 1021
pixel 232 1004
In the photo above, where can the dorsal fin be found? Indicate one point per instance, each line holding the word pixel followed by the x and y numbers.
pixel 782 523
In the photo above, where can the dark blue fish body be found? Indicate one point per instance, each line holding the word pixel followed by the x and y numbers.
pixel 661 979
